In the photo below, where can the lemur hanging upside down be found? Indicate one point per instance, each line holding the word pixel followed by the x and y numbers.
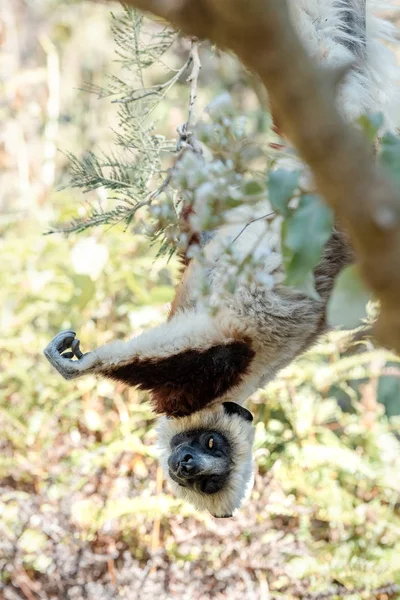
pixel 200 366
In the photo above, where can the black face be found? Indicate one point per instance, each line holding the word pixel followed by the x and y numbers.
pixel 200 460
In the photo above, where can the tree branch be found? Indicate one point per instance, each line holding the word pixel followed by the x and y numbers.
pixel 186 135
pixel 302 96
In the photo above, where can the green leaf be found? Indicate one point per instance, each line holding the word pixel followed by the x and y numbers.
pixel 348 303
pixel 253 188
pixel 389 156
pixel 304 235
pixel 305 284
pixel 389 394
pixel 281 187
pixel 371 125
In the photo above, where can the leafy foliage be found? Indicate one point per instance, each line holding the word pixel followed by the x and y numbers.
pixel 348 304
pixel 390 156
pixel 223 173
pixel 133 171
pixel 304 234
pixel 281 187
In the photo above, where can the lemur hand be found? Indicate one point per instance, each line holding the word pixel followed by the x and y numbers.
pixel 63 361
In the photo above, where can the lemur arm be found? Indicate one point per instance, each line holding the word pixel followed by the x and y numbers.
pixel 186 363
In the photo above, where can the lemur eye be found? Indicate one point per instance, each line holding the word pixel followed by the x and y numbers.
pixel 211 442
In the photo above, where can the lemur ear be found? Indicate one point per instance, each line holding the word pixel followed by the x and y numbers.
pixel 231 408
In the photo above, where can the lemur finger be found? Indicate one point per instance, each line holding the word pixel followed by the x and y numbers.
pixel 76 349
pixel 63 340
pixel 68 355
pixel 65 345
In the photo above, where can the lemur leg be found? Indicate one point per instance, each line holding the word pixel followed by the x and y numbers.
pixel 186 363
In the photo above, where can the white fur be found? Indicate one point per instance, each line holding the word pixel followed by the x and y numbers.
pixel 188 330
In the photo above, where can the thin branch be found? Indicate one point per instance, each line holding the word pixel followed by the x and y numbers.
pixel 186 134
pixel 193 78
pixel 263 217
pixel 140 94
pixel 186 137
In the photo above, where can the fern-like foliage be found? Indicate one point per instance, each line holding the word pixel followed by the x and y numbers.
pixel 132 171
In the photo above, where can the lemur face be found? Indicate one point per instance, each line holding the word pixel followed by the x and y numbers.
pixel 207 457
pixel 200 460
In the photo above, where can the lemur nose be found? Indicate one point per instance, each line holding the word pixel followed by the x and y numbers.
pixel 186 464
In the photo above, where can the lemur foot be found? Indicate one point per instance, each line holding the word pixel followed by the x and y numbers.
pixel 61 360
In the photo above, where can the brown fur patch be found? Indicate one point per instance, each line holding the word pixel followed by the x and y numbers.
pixel 185 227
pixel 186 382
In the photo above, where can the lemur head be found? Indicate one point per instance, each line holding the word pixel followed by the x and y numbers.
pixel 207 457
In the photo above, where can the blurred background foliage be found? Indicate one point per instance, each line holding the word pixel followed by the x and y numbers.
pixel 84 511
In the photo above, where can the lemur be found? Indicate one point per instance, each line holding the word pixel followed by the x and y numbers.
pixel 200 366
